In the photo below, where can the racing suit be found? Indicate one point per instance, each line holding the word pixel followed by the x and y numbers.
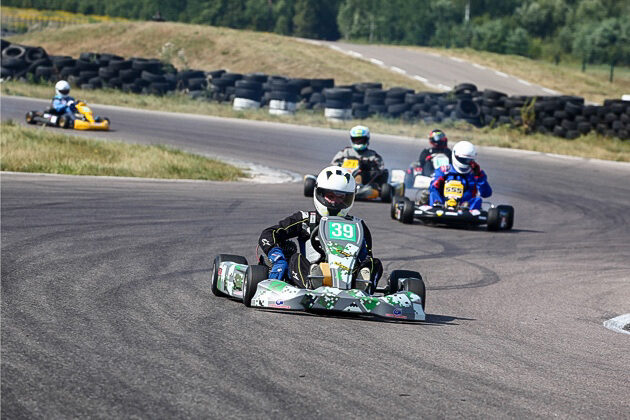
pixel 427 154
pixel 371 164
pixel 473 183
pixel 63 105
pixel 275 242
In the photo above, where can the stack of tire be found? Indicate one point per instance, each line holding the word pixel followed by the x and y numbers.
pixel 248 91
pixel 467 107
pixel 313 95
pixel 194 82
pixel 338 103
pixel 21 61
pixel 223 86
pixel 360 109
pixel 281 95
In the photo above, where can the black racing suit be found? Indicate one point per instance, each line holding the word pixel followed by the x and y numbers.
pixel 427 154
pixel 371 164
pixel 299 225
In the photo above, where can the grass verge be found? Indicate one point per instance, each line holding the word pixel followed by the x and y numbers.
pixel 36 149
pixel 590 146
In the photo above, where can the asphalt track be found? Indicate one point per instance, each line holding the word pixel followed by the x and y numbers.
pixel 107 309
pixel 439 71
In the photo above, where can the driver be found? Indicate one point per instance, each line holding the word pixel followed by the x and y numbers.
pixel 371 163
pixel 62 102
pixel 465 169
pixel 439 144
pixel 333 196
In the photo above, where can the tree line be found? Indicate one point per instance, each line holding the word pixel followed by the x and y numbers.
pixel 595 31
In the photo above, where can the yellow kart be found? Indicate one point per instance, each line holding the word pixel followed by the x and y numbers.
pixel 84 118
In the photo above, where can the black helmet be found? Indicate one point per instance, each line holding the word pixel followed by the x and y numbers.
pixel 438 139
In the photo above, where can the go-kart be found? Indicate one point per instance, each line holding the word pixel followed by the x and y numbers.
pixel 417 177
pixel 367 190
pixel 335 284
pixel 453 212
pixel 84 118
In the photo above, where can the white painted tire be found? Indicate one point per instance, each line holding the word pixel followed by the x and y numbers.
pixel 282 106
pixel 244 103
pixel 338 114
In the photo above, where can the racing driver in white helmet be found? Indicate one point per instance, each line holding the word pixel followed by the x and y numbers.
pixel 333 196
pixel 465 169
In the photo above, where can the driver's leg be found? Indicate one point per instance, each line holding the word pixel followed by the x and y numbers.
pixel 299 268
pixel 475 203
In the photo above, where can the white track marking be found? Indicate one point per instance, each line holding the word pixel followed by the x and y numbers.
pixel 444 87
pixel 421 79
pixel 459 60
pixel 479 66
pixel 355 54
pixel 377 62
pixel 500 73
pixel 550 91
pixel 336 48
pixel 398 70
pixel 617 324
pixel 525 82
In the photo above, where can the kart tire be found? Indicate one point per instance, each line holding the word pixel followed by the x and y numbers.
pixel 494 218
pixel 407 212
pixel 414 284
pixel 254 275
pixel 387 193
pixel 394 207
pixel 215 270
pixel 309 187
pixel 65 122
pixel 30 117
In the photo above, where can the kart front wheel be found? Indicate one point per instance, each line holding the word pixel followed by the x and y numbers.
pixel 65 122
pixel 387 193
pixel 30 117
pixel 500 218
pixel 254 275
pixel 394 208
pixel 214 285
pixel 408 209
pixel 309 187
pixel 412 283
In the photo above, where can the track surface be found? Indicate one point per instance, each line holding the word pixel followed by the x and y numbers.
pixel 107 311
pixel 440 71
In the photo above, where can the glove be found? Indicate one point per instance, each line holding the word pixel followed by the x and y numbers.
pixel 70 104
pixel 280 265
pixel 476 169
pixel 428 158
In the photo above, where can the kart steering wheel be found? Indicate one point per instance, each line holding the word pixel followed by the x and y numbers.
pixel 316 243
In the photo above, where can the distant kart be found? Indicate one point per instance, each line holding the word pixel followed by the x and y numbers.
pixel 84 119
pixel 336 285
pixel 370 190
pixel 453 212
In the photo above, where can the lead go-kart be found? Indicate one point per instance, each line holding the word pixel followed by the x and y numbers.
pixel 367 190
pixel 335 285
pixel 453 212
pixel 84 118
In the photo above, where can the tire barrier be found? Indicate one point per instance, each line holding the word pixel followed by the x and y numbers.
pixel 563 116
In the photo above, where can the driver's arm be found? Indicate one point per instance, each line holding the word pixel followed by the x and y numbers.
pixel 286 228
pixel 338 157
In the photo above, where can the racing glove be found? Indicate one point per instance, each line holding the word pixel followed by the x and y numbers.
pixel 280 265
pixel 476 169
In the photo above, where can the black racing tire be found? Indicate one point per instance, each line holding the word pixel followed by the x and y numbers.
pixel 253 276
pixel 494 217
pixel 34 54
pixel 407 211
pixel 117 65
pixel 13 63
pixel 387 193
pixel 30 117
pixel 414 284
pixel 152 77
pixel 215 269
pixel 86 65
pixel 65 122
pixel 309 187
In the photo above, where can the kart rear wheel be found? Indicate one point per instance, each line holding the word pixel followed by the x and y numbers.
pixel 65 122
pixel 309 187
pixel 215 270
pixel 30 117
pixel 387 193
pixel 394 207
pixel 414 284
pixel 254 275
pixel 408 209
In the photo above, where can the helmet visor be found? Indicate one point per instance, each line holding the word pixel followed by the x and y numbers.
pixel 360 140
pixel 464 160
pixel 333 199
pixel 64 91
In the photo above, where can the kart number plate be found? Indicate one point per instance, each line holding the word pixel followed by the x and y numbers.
pixel 53 119
pixel 454 189
pixel 350 164
pixel 343 231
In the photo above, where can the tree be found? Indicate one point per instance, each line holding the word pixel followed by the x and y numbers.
pixel 517 42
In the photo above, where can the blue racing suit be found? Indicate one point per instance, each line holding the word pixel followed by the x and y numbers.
pixel 473 184
pixel 63 105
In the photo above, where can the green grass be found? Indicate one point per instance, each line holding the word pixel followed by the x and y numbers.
pixel 37 149
pixel 591 145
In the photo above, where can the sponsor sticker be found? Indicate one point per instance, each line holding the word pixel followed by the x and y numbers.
pixel 475 212
pixel 397 311
pixel 451 213
pixel 439 212
pixel 220 271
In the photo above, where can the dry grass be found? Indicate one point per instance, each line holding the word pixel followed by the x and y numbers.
pixel 211 48
pixel 565 77
pixel 592 145
pixel 36 149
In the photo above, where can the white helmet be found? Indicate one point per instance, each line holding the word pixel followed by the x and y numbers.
pixel 334 191
pixel 464 152
pixel 62 88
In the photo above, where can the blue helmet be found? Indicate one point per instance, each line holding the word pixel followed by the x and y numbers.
pixel 360 137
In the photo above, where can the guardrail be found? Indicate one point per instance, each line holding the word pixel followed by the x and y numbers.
pixel 21 25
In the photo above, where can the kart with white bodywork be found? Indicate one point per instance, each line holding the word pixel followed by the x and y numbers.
pixel 336 285
pixel 367 189
pixel 453 212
